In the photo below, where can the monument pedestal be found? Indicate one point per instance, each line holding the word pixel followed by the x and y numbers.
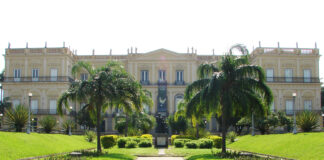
pixel 161 140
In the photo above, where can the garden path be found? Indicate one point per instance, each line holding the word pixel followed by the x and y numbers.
pixel 160 158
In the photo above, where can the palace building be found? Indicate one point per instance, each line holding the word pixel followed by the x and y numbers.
pixel 46 73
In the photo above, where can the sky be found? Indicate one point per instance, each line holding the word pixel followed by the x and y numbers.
pixel 153 24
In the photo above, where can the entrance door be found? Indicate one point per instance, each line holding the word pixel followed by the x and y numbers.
pixel 53 74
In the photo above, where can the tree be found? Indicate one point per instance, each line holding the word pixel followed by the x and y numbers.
pixel 84 119
pixel 17 117
pixel 137 122
pixel 105 86
pixel 178 125
pixel 237 89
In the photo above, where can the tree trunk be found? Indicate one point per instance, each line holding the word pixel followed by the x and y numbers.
pixel 98 130
pixel 126 124
pixel 253 133
pixel 197 130
pixel 223 134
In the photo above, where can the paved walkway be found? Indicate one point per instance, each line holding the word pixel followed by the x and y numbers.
pixel 162 153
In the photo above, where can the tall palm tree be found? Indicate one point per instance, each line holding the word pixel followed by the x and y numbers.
pixel 238 88
pixel 105 85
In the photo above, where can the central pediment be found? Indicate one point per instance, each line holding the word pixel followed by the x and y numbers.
pixel 161 54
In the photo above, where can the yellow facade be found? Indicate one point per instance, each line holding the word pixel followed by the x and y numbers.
pixel 179 70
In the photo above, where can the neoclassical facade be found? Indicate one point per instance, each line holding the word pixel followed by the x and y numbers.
pixel 46 73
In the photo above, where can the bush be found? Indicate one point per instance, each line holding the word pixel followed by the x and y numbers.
pixel 173 137
pixel 205 143
pixel 285 121
pixel 16 118
pixel 121 142
pixel 217 141
pixel 231 136
pixel 67 124
pixel 192 144
pixel 145 143
pixel 131 144
pixel 108 141
pixel 307 121
pixel 90 135
pixel 179 143
pixel 48 123
pixel 147 136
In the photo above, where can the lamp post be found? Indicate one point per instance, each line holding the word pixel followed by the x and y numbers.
pixel 70 133
pixel 1 119
pixel 28 128
pixel 294 99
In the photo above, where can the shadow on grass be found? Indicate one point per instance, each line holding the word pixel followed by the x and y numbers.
pixel 116 156
pixel 202 157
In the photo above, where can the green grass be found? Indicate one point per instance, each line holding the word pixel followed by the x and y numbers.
pixel 113 156
pixel 21 145
pixel 204 157
pixel 185 152
pixel 133 151
pixel 300 146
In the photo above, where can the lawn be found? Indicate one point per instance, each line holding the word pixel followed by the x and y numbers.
pixel 21 145
pixel 133 151
pixel 301 146
pixel 185 152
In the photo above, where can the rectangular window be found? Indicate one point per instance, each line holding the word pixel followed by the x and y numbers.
pixel 17 75
pixel 288 74
pixel 84 76
pixel 307 75
pixel 289 107
pixel 35 73
pixel 179 75
pixel 34 106
pixel 162 75
pixel 54 74
pixel 269 75
pixel 15 103
pixel 52 109
pixel 308 105
pixel 144 75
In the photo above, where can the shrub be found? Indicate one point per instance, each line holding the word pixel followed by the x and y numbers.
pixel 145 143
pixel 231 136
pixel 17 118
pixel 147 136
pixel 179 143
pixel 192 144
pixel 217 141
pixel 205 143
pixel 307 121
pixel 285 121
pixel 131 144
pixel 48 123
pixel 108 141
pixel 121 142
pixel 173 137
pixel 90 135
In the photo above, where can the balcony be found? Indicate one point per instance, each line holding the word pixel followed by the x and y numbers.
pixel 292 80
pixel 146 82
pixel 39 79
pixel 179 83
pixel 45 111
pixel 290 112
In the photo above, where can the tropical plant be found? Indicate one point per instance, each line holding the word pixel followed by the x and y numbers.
pixel 84 119
pixel 244 122
pixel 67 125
pixel 105 87
pixel 307 121
pixel 266 123
pixel 16 117
pixel 233 89
pixel 48 123
pixel 231 136
pixel 90 135
pixel 285 121
pixel 138 123
pixel 178 125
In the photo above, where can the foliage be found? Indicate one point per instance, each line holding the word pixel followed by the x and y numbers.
pixel 90 136
pixel 173 137
pixel 217 140
pixel 48 123
pixel 121 142
pixel 138 123
pixel 231 136
pixel 145 143
pixel 307 121
pixel 179 143
pixel 285 121
pixel 177 125
pixel 205 143
pixel 16 117
pixel 4 104
pixel 84 119
pixel 147 136
pixel 192 144
pixel 264 124
pixel 108 141
pixel 67 125
pixel 244 122
pixel 233 89
pixel 131 144
pixel 201 132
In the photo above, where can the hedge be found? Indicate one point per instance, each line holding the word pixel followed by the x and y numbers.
pixel 173 137
pixel 217 140
pixel 108 141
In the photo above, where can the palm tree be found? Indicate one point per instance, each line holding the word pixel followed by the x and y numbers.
pixel 237 89
pixel 105 86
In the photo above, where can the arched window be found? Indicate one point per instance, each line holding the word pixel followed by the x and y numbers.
pixel 177 99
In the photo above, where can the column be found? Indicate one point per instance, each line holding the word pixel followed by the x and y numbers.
pixel 153 73
pixel 7 61
pixel 62 69
pixel 44 68
pixel 188 70
pixel 26 67
pixel 298 71
pixel 279 68
pixel 171 73
pixel 135 70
